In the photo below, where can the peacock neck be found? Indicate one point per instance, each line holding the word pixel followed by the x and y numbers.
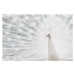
pixel 49 41
pixel 52 55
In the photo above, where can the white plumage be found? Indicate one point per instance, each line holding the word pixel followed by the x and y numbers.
pixel 52 54
pixel 24 37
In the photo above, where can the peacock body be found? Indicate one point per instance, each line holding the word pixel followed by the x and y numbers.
pixel 24 37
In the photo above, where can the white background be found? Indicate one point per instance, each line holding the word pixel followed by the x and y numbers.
pixel 37 67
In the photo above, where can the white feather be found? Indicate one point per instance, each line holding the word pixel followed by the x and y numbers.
pixel 27 34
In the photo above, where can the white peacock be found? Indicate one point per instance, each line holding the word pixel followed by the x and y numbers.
pixel 25 37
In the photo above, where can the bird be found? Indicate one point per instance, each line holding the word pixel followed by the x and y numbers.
pixel 37 37
pixel 52 55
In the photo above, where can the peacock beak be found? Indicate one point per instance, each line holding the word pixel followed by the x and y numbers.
pixel 48 35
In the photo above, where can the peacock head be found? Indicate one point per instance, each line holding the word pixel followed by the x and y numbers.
pixel 48 35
